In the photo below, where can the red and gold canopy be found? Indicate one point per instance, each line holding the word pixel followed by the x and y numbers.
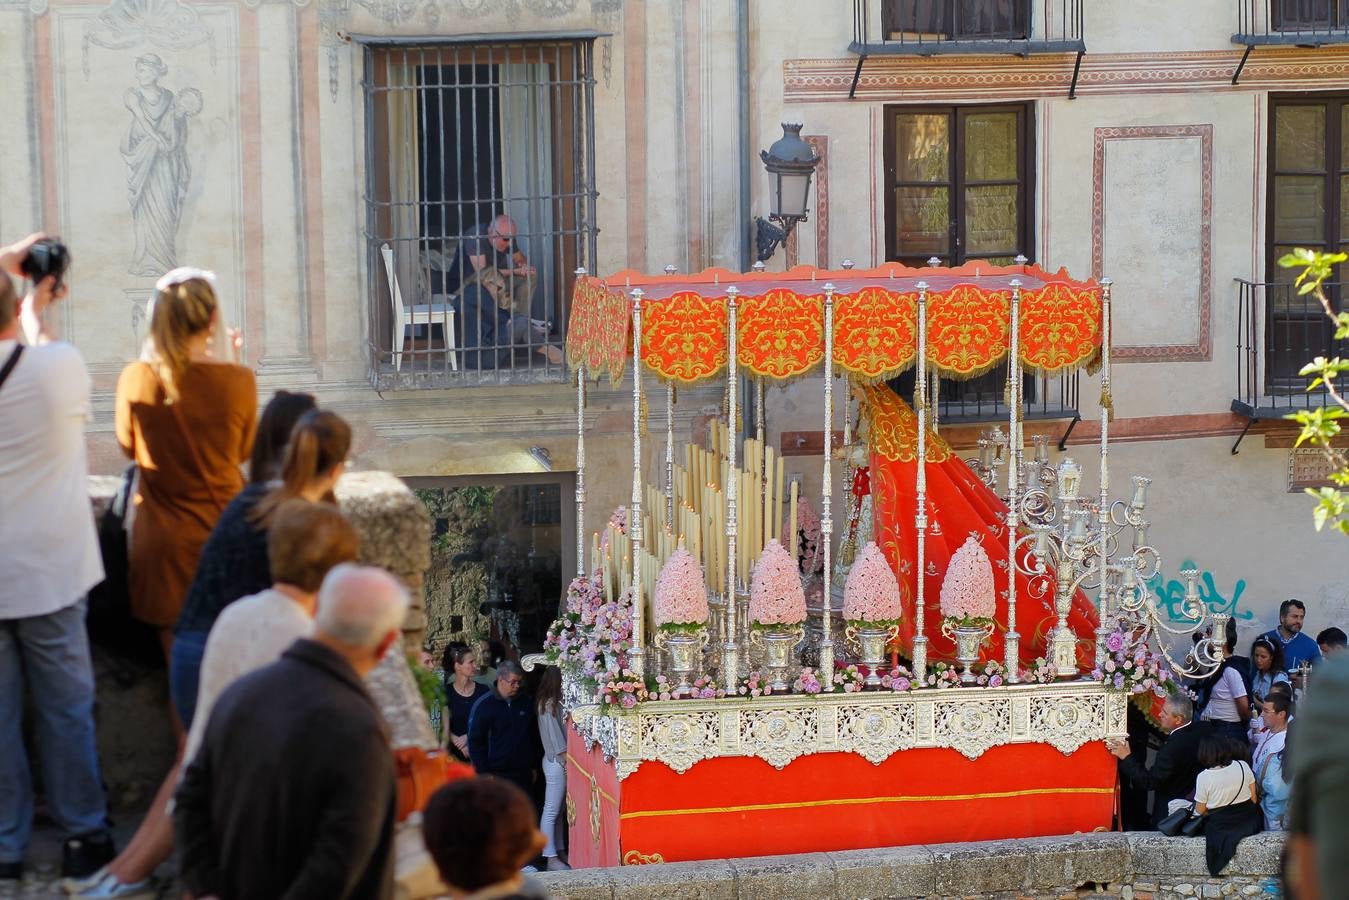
pixel 780 321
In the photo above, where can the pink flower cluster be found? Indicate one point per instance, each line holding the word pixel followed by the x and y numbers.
pixel 681 592
pixel 810 545
pixel 593 634
pixel 851 679
pixel 967 591
pixel 754 685
pixel 1134 667
pixel 623 689
pixel 775 595
pixel 898 679
pixel 619 519
pixel 1040 672
pixel 807 683
pixel 871 596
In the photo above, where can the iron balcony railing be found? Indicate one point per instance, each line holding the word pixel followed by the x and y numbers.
pixel 1046 397
pixel 1279 332
pixel 1299 22
pixel 929 27
pixel 479 205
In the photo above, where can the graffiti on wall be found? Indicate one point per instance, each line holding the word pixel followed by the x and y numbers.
pixel 1171 593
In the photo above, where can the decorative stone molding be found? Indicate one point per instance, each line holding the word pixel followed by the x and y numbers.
pixel 779 729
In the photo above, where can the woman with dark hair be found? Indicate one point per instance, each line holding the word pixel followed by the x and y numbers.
pixel 1225 794
pixel 1229 702
pixel 461 692
pixel 553 733
pixel 481 832
pixel 274 427
pixel 1266 668
pixel 233 563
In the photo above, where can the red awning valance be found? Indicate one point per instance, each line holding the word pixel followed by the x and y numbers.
pixel 780 321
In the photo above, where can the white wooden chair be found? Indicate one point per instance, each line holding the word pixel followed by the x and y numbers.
pixel 404 317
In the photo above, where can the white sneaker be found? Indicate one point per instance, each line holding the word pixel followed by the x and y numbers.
pixel 529 870
pixel 110 888
pixel 75 885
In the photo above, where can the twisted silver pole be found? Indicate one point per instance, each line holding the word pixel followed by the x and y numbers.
pixel 669 456
pixel 637 655
pixel 920 520
pixel 827 489
pixel 730 651
pixel 1012 640
pixel 1103 604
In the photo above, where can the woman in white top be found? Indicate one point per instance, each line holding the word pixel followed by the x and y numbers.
pixel 1229 702
pixel 306 540
pixel 553 734
pixel 1224 793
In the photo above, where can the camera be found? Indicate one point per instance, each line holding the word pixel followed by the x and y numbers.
pixel 45 258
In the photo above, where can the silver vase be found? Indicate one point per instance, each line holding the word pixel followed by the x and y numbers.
pixel 686 656
pixel 778 646
pixel 969 640
pixel 870 644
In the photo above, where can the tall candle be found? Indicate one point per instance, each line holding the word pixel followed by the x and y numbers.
pixel 791 535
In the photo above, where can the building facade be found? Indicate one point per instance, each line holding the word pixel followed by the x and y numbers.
pixel 335 161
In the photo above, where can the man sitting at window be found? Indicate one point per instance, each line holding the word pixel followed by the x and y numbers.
pixel 491 332
pixel 491 247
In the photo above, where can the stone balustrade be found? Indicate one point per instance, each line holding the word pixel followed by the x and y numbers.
pixel 1110 866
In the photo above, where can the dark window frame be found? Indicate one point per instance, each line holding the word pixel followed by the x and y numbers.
pixel 1277 371
pixel 952 23
pixel 989 385
pixel 1336 15
pixel 956 180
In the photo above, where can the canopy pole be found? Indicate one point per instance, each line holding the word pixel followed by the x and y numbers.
pixel 669 458
pixel 637 655
pixel 920 520
pixel 827 500
pixel 580 459
pixel 1012 640
pixel 1103 625
pixel 730 651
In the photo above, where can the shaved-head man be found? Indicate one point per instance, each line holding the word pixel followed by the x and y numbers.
pixel 292 791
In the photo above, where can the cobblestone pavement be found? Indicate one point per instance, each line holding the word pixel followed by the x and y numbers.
pixel 42 875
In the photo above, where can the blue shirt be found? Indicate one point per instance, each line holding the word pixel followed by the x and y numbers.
pixel 1297 650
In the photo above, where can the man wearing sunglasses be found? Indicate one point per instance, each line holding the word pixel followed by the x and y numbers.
pixel 492 248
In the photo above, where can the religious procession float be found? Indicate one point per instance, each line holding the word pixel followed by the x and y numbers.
pixel 738 685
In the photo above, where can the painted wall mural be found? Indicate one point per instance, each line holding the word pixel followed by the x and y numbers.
pixel 1171 592
pixel 158 170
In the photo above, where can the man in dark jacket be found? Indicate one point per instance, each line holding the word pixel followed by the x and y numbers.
pixel 292 791
pixel 1173 772
pixel 503 737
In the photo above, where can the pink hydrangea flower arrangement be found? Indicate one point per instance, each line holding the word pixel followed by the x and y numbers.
pixel 775 594
pixel 871 596
pixel 680 603
pixel 967 595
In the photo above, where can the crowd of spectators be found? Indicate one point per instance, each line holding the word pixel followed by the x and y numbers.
pixel 284 782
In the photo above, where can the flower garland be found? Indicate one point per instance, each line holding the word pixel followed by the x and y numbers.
pixel 851 678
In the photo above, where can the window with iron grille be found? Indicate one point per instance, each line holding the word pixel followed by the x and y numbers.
pixel 480 205
pixel 1301 15
pixel 961 19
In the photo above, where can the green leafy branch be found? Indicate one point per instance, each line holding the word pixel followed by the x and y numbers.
pixel 1320 427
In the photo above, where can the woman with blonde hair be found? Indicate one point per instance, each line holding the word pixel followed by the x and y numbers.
pixel 234 562
pixel 187 417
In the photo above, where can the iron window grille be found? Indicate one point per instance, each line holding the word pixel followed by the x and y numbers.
pixel 459 134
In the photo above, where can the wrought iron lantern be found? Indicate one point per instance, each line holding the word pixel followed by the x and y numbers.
pixel 791 166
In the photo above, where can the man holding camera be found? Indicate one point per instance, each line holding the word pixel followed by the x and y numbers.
pixel 51 561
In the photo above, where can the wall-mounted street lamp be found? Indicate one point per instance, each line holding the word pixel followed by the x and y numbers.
pixel 791 164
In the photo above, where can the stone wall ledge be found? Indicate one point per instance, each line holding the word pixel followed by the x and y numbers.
pixel 1129 866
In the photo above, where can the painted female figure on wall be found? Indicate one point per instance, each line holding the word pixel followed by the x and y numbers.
pixel 158 172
